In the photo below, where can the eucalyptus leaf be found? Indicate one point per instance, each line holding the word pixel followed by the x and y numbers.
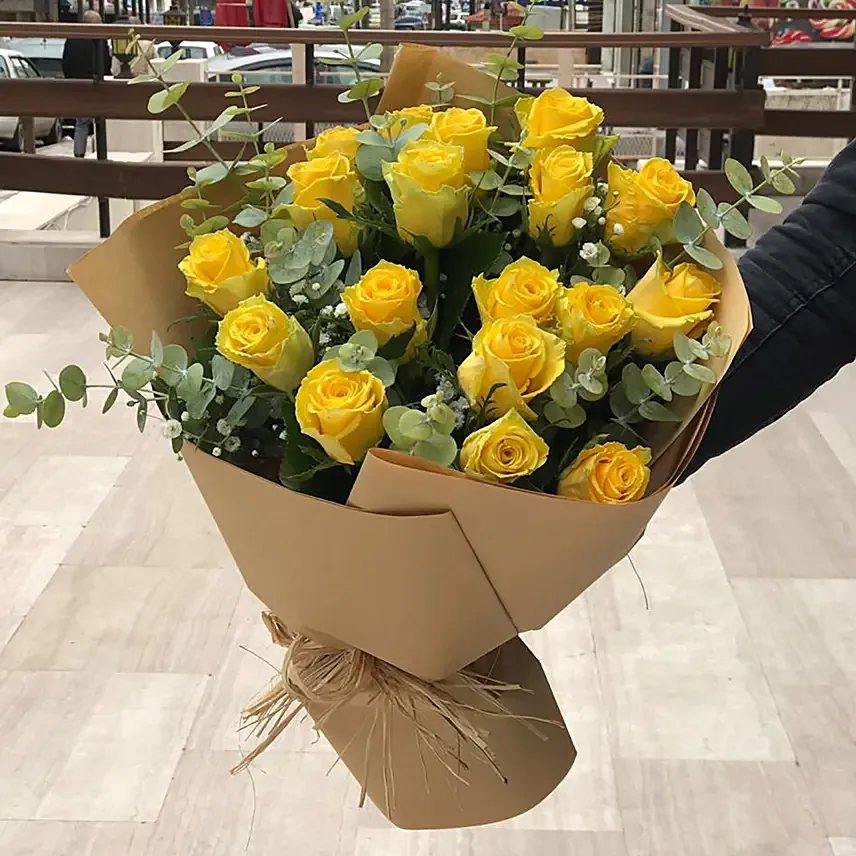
pixel 190 385
pixel 527 32
pixel 783 184
pixel 486 179
pixel 249 217
pixel 383 370
pixel 137 373
pixel 349 20
pixel 738 176
pixel 704 257
pixel 391 420
pixel 173 364
pixel 562 391
pixel 653 411
pixel 369 159
pixel 355 269
pixel 111 399
pixel 686 225
pixel 633 383
pixel 72 383
pixel 440 449
pixel 210 174
pixel 397 346
pixel 52 409
pixel 656 382
pixel 765 167
pixel 156 349
pixel 683 349
pixel 765 203
pixel 735 223
pixel 706 208
pixel 700 372
pixel 22 397
pixel 239 410
pixel 415 425
pixel 222 371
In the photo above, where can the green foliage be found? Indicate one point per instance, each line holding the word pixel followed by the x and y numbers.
pixel 72 383
pixel 423 434
pixel 21 398
pixel 360 353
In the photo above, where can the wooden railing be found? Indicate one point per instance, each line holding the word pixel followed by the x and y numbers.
pixel 713 122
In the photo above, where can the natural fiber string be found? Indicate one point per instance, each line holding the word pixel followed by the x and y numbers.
pixel 315 674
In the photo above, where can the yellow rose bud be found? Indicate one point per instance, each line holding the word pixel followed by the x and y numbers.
pixel 557 118
pixel 503 451
pixel 342 410
pixel 385 302
pixel 666 302
pixel 331 177
pixel 465 128
pixel 339 140
pixel 517 354
pixel 592 316
pixel 429 191
pixel 609 473
pixel 220 272
pixel 407 117
pixel 643 203
pixel 523 288
pixel 259 336
pixel 561 182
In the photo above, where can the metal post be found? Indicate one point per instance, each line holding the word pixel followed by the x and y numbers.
pixel 674 82
pixel 720 80
pixel 28 126
pixel 521 78
pixel 101 142
pixel 309 70
pixel 743 142
pixel 691 153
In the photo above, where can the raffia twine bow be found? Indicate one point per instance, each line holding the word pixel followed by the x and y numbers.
pixel 328 678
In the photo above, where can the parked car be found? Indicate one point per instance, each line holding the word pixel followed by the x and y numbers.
pixel 275 67
pixel 409 22
pixel 190 50
pixel 15 66
pixel 44 54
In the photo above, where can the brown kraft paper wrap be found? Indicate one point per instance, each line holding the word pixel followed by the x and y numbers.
pixel 424 568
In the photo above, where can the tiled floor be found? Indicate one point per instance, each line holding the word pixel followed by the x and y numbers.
pixel 719 722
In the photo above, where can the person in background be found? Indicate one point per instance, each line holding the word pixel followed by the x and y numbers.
pixel 801 281
pixel 145 53
pixel 81 61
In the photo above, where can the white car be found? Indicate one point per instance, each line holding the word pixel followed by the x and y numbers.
pixel 15 66
pixel 190 50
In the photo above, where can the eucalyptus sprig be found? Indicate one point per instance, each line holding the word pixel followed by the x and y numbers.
pixel 425 434
pixel 587 381
pixel 634 398
pixel 365 88
pixel 691 225
pixel 360 353
pixel 502 67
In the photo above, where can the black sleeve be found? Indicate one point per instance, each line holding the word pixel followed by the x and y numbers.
pixel 801 280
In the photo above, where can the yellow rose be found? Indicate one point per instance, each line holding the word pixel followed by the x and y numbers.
pixel 429 192
pixel 592 316
pixel 220 272
pixel 330 177
pixel 384 301
pixel 342 410
pixel 465 128
pixel 516 353
pixel 558 118
pixel 335 141
pixel 523 288
pixel 666 302
pixel 407 117
pixel 561 182
pixel 259 336
pixel 641 203
pixel 503 451
pixel 609 473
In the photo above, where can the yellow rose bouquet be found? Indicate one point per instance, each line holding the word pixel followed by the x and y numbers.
pixel 387 352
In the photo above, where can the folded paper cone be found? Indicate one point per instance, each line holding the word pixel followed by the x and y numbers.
pixel 425 569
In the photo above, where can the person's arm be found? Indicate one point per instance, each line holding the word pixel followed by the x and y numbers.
pixel 801 280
